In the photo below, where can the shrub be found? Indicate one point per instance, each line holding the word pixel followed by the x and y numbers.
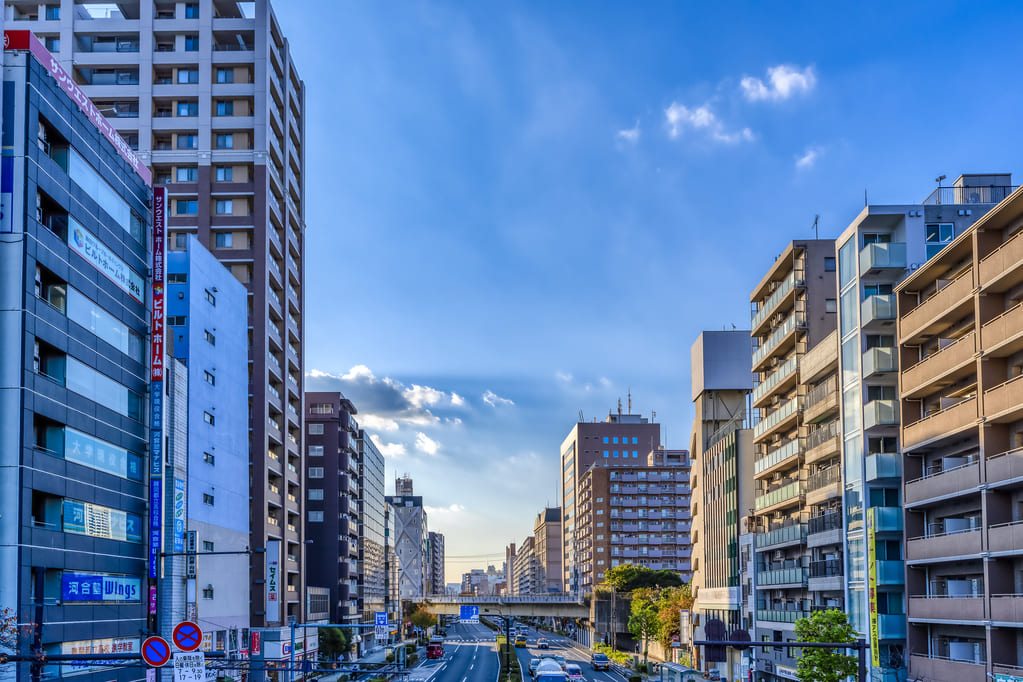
pixel 412 659
pixel 635 678
pixel 389 658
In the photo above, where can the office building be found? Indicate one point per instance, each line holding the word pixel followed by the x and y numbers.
pixel 960 352
pixel 436 582
pixel 332 475
pixel 874 254
pixel 208 459
pixel 547 534
pixel 721 481
pixel 370 495
pixel 74 372
pixel 208 96
pixel 410 539
pixel 617 441
pixel 793 310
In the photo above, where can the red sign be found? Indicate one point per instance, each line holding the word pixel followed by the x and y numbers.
pixel 187 636
pixel 159 240
pixel 25 40
pixel 156 651
pixel 254 643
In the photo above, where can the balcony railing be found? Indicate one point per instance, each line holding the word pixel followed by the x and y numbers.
pixel 782 494
pixel 890 255
pixel 991 194
pixel 794 533
pixel 782 576
pixel 765 308
pixel 820 392
pixel 823 478
pixel 786 410
pixel 790 449
pixel 779 616
pixel 822 434
pixel 780 333
pixel 825 522
pixel 877 307
pixel 783 372
pixel 827 568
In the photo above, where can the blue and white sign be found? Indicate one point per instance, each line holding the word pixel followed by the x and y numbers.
pixel 179 515
pixel 95 587
pixel 469 613
pixel 380 623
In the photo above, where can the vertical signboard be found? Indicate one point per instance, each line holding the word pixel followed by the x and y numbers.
pixel 156 399
pixel 179 515
pixel 380 626
pixel 875 654
pixel 273 581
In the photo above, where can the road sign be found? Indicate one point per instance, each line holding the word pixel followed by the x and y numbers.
pixel 187 636
pixel 469 613
pixel 190 666
pixel 380 625
pixel 156 651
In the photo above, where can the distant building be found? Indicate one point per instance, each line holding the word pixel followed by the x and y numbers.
pixel 372 541
pixel 436 581
pixel 509 571
pixel 527 569
pixel 547 535
pixel 410 538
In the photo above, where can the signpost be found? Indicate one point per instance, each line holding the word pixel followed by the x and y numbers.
pixel 469 613
pixel 187 636
pixel 380 630
pixel 156 651
pixel 190 666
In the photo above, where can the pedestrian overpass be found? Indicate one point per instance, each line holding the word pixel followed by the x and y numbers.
pixel 538 606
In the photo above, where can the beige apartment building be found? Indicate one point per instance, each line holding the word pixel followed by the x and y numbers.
pixel 208 94
pixel 795 393
pixel 547 537
pixel 960 344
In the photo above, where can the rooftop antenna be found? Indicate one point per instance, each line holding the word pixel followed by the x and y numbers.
pixel 581 418
pixel 938 180
pixel 816 231
pixel 630 401
pixel 619 407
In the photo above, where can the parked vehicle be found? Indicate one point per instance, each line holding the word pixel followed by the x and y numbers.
pixel 575 673
pixel 434 650
pixel 600 662
pixel 542 643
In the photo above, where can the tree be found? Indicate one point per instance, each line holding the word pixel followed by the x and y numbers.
pixel 672 601
pixel 644 621
pixel 629 577
pixel 420 617
pixel 333 643
pixel 825 665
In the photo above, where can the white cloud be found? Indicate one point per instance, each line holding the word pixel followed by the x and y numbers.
pixel 424 395
pixel 630 135
pixel 563 377
pixel 388 449
pixel 782 82
pixel 354 374
pixel 808 158
pixel 680 117
pixel 492 399
pixel 426 444
pixel 450 509
pixel 457 400
pixel 375 423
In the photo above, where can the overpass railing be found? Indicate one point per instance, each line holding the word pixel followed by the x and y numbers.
pixel 537 599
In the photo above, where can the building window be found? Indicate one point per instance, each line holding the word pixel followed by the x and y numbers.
pixel 188 108
pixel 192 11
pixel 938 236
pixel 180 241
pixel 191 43
pixel 186 174
pixel 829 264
pixel 52 12
pixel 53 44
pixel 321 408
pixel 187 142
pixel 188 75
pixel 225 108
pixel 211 298
pixel 225 174
pixel 210 377
pixel 316 451
pixel 207 499
pixel 224 240
pixel 209 458
pixel 207 546
pixel 210 338
pixel 207 592
pixel 605 440
pixel 176 320
pixel 606 453
pixel 316 493
pixel 315 472
pixel 635 453
pixel 187 206
pixel 209 418
pixel 315 517
pixel 225 141
pixel 831 305
pixel 316 429
pixel 225 75
pixel 225 206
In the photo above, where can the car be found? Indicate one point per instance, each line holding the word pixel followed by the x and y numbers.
pixel 533 662
pixel 561 661
pixel 600 662
pixel 575 673
pixel 713 674
pixel 435 651
pixel 520 640
pixel 542 643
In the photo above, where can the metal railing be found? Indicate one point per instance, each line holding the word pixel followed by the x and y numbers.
pixel 822 434
pixel 824 478
pixel 991 194
pixel 820 392
pixel 826 568
pixel 825 522
pixel 765 308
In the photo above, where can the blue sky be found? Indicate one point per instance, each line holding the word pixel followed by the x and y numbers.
pixel 519 211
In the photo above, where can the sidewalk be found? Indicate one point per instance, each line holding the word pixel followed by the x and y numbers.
pixel 374 656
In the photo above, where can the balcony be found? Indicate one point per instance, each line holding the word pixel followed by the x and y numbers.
pixel 886 519
pixel 877 257
pixel 1003 268
pixel 780 616
pixel 821 400
pixel 947 303
pixel 934 668
pixel 784 457
pixel 1004 334
pixel 940 423
pixel 782 577
pixel 1004 466
pixel 883 465
pixel 769 304
pixel 877 311
pixel 826 575
pixel 825 529
pixel 954 481
pixel 1004 402
pixel 880 413
pixel 877 361
pixel 943 546
pixel 824 485
pixel 781 537
pixel 890 626
pixel 956 609
pixel 783 417
pixel 780 498
pixel 782 379
pixel 949 363
pixel 1007 608
pixel 964 194
pixel 778 341
pixel 822 442
pixel 1005 538
pixel 890 572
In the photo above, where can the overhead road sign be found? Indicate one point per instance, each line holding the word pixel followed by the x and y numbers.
pixel 469 613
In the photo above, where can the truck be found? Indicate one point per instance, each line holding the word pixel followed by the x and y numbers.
pixel 549 670
pixel 435 650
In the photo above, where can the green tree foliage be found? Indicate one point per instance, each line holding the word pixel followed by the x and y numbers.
pixel 825 665
pixel 672 601
pixel 629 577
pixel 644 621
pixel 333 643
pixel 420 617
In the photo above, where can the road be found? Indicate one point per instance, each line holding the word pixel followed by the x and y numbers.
pixel 470 655
pixel 562 646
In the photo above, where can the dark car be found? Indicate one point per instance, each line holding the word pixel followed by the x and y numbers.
pixel 600 662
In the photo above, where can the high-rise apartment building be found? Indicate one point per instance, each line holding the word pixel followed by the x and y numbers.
pixel 207 94
pixel 638 515
pixel 527 569
pixel 372 542
pixel 75 370
pixel 410 538
pixel 436 582
pixel 616 441
pixel 793 309
pixel 509 569
pixel 207 456
pixel 332 475
pixel 960 352
pixel 547 534
pixel 721 480
pixel 876 251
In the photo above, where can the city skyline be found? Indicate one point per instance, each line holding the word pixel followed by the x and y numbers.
pixel 537 191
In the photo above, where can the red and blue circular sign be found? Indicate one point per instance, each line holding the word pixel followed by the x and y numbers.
pixel 156 651
pixel 187 636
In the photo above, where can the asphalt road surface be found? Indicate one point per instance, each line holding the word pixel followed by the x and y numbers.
pixel 470 655
pixel 562 646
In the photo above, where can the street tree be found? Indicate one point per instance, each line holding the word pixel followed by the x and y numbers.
pixel 825 665
pixel 333 643
pixel 628 577
pixel 421 618
pixel 672 601
pixel 644 620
